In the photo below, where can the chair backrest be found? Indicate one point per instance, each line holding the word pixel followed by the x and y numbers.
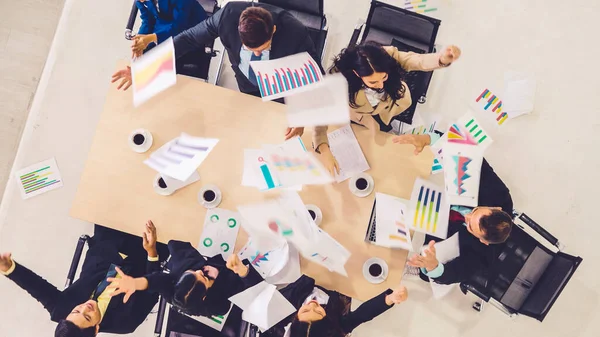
pixel 386 22
pixel 314 7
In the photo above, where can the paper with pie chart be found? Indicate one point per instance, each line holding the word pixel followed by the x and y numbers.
pixel 220 232
pixel 153 72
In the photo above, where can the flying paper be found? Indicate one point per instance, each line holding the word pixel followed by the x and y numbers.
pixel 180 157
pixel 519 93
pixel 263 305
pixel 323 103
pixel 220 233
pixel 153 72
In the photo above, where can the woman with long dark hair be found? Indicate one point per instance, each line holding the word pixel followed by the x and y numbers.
pixel 326 313
pixel 376 87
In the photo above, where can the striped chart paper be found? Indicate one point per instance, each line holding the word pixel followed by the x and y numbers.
pixel 216 322
pixel 284 76
pixel 491 103
pixel 469 131
pixel 39 178
pixel 429 210
pixel 391 230
pixel 420 6
pixel 153 72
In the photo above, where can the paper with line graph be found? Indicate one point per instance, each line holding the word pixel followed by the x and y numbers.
pixel 180 157
pixel 153 72
pixel 285 76
pixel 428 209
pixel 462 170
pixel 469 131
pixel 38 178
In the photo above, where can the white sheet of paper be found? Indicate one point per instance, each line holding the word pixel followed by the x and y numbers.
pixel 519 93
pixel 263 305
pixel 391 229
pixel 346 150
pixel 181 157
pixel 327 252
pixel 294 167
pixel 462 172
pixel 153 72
pixel 178 184
pixel 446 251
pixel 322 103
pixel 259 173
pixel 215 322
pixel 429 209
pixel 220 232
pixel 291 270
pixel 38 178
pixel 286 76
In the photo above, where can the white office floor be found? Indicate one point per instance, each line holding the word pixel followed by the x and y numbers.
pixel 547 158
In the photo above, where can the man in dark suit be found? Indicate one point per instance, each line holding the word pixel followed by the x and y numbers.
pixel 85 308
pixel 482 232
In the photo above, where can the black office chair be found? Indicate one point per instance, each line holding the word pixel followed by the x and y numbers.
pixel 197 63
pixel 529 274
pixel 312 16
pixel 408 31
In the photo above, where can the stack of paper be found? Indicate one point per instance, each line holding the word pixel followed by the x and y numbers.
pixel 391 229
pixel 263 305
pixel 180 157
pixel 220 232
pixel 346 150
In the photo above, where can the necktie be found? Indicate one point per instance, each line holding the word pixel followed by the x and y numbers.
pixel 251 75
pixel 112 272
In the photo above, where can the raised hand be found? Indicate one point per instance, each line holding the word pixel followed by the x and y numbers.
pixel 399 295
pixel 293 132
pixel 125 76
pixel 428 261
pixel 5 262
pixel 149 239
pixel 235 265
pixel 450 54
pixel 125 284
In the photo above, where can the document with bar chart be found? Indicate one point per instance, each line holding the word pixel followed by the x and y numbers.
pixel 39 178
pixel 284 76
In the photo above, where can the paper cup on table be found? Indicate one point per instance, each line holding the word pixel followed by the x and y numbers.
pixel 375 270
pixel 140 140
pixel 161 187
pixel 315 213
pixel 209 196
pixel 361 185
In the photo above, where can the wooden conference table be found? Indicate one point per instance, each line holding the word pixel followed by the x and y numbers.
pixel 116 187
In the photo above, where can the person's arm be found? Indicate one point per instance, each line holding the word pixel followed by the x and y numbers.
pixel 36 286
pixel 198 36
pixel 419 141
pixel 148 20
pixel 149 242
pixel 424 62
pixel 181 12
pixel 366 311
pixel 319 137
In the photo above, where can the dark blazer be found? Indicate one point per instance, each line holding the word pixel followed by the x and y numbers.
pixel 290 38
pixel 120 318
pixel 474 255
pixel 297 292
pixel 174 17
pixel 185 257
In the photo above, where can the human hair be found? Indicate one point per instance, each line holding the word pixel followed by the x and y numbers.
pixel 69 329
pixel 329 326
pixel 189 295
pixel 496 226
pixel 256 27
pixel 365 60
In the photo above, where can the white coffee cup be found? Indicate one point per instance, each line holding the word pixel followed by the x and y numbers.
pixel 315 213
pixel 361 185
pixel 140 140
pixel 161 187
pixel 375 270
pixel 209 196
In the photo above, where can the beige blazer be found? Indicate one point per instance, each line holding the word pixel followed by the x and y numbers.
pixel 385 109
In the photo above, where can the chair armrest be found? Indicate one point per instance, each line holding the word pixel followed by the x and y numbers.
pixel 76 257
pixel 131 21
pixel 160 317
pixel 466 287
pixel 356 33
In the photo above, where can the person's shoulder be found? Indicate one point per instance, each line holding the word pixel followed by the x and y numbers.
pixel 235 7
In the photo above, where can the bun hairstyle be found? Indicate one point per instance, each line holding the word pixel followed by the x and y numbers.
pixel 69 329
pixel 189 295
